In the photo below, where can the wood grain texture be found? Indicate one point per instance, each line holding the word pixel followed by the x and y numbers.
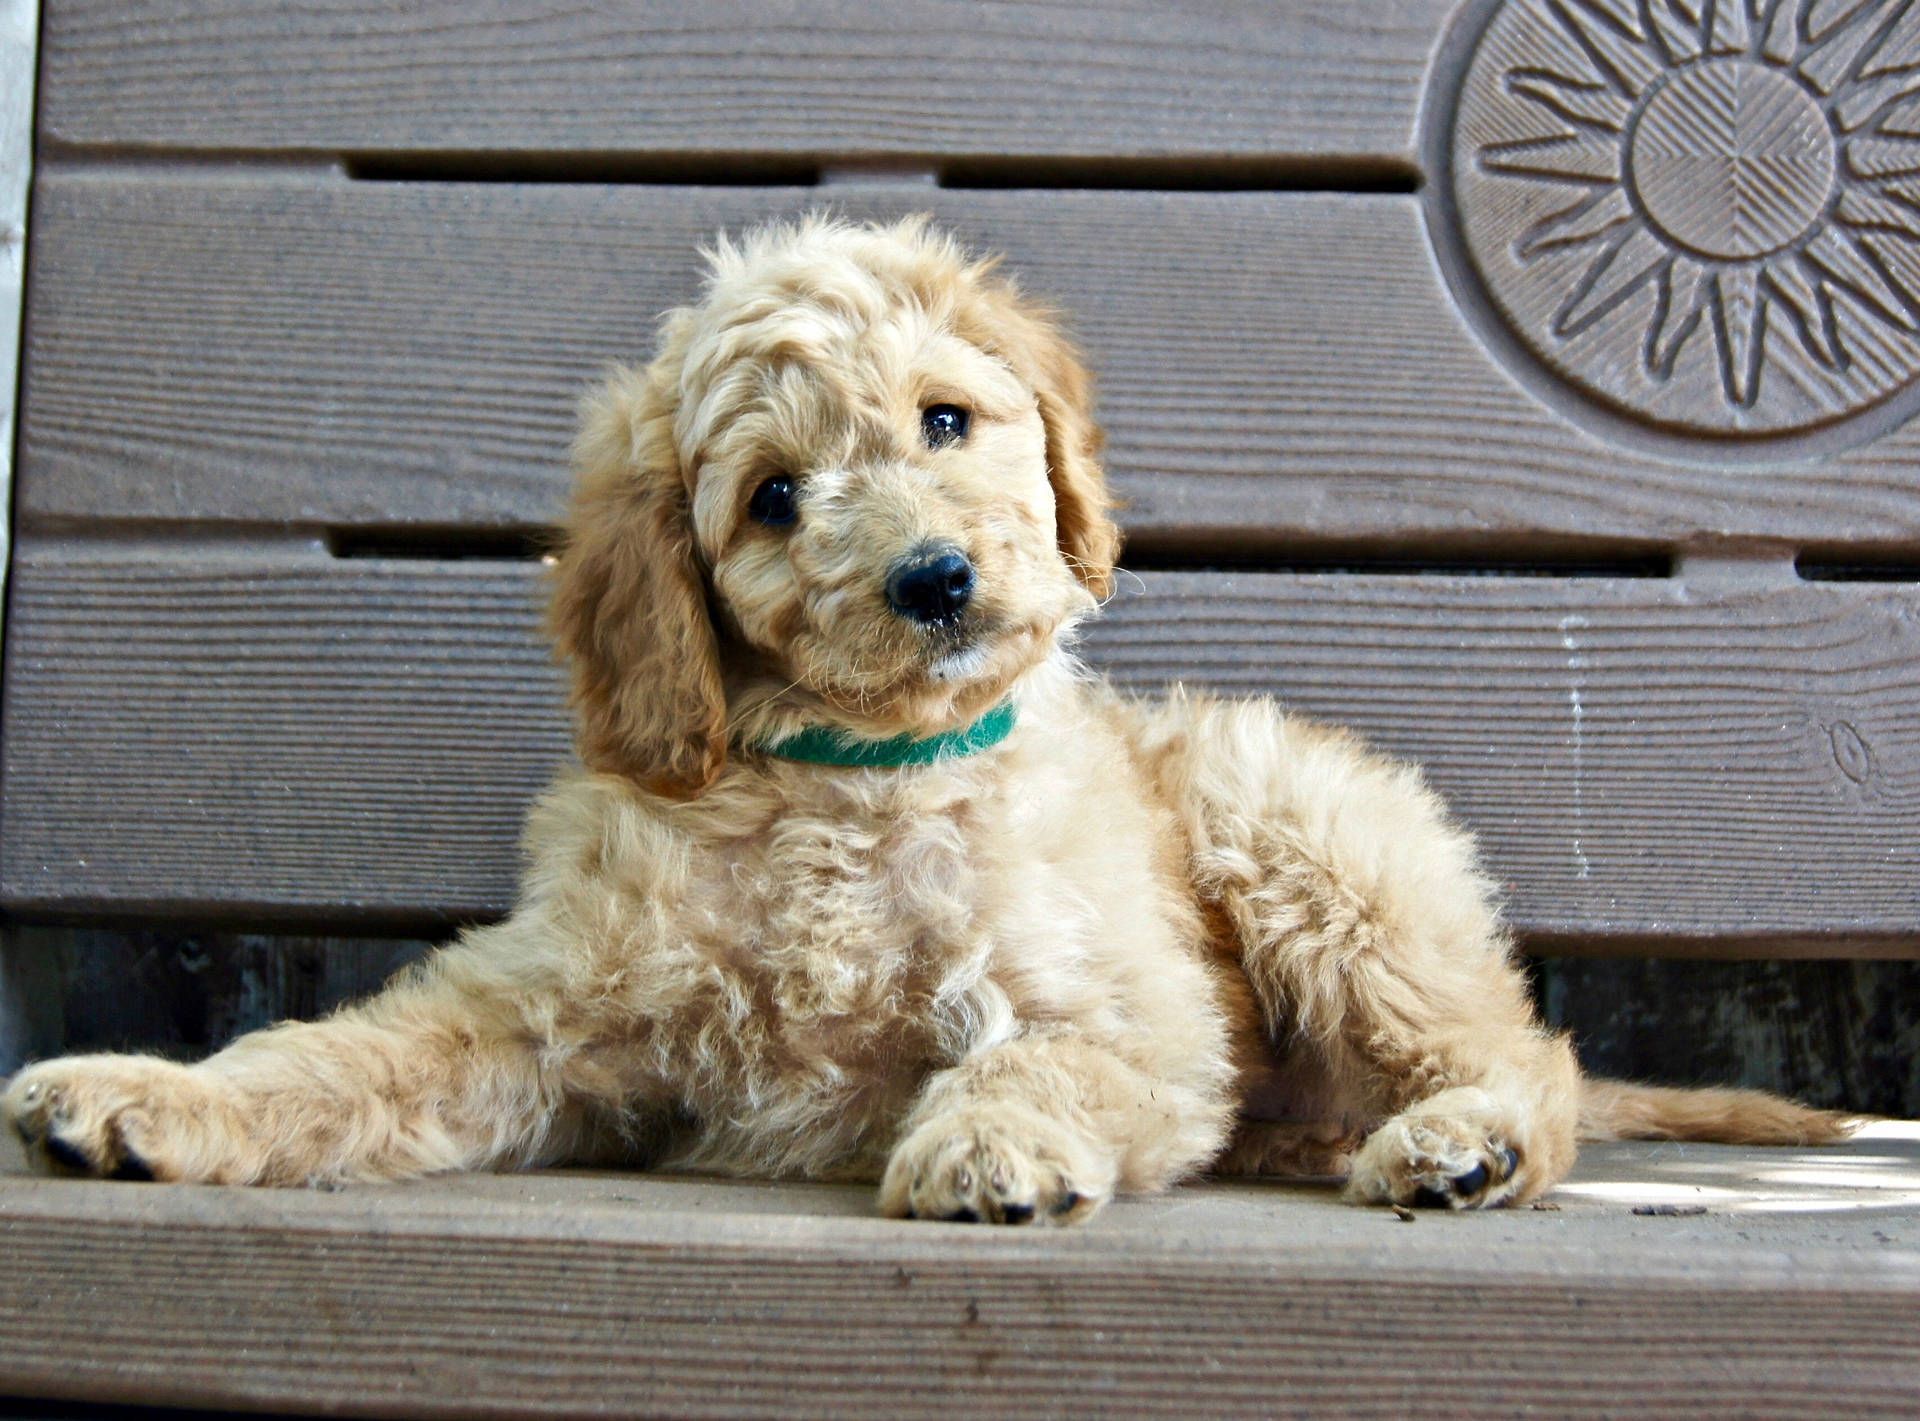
pixel 933 78
pixel 1653 762
pixel 237 698
pixel 1274 367
pixel 593 1294
pixel 19 33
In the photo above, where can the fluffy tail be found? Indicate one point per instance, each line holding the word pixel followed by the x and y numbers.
pixel 1619 1110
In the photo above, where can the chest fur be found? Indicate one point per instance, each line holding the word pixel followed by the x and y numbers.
pixel 803 948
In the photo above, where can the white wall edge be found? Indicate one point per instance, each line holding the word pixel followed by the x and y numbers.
pixel 19 39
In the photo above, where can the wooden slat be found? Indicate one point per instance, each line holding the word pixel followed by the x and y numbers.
pixel 262 736
pixel 302 350
pixel 1652 762
pixel 940 78
pixel 598 1294
pixel 19 34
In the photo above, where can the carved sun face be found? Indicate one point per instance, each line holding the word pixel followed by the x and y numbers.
pixel 1706 212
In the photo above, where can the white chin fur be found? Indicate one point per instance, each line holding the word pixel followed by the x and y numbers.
pixel 958 666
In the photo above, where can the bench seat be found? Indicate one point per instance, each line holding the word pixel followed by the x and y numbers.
pixel 1661 1279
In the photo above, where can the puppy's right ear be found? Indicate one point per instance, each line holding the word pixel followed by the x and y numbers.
pixel 629 609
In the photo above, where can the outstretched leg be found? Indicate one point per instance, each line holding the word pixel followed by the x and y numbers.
pixel 436 1073
pixel 1369 936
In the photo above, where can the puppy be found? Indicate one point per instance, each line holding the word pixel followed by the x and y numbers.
pixel 863 876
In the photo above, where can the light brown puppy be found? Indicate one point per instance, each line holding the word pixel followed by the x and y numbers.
pixel 859 490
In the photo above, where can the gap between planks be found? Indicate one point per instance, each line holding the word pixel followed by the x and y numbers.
pixel 1245 550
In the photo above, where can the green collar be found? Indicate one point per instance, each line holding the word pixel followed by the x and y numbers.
pixel 820 745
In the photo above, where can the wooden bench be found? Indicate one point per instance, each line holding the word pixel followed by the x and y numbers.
pixel 1447 404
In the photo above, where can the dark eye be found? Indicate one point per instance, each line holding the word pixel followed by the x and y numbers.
pixel 941 425
pixel 772 503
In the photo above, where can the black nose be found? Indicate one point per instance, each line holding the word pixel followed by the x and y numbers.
pixel 931 587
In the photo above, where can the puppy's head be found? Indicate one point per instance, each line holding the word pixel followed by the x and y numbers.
pixel 860 485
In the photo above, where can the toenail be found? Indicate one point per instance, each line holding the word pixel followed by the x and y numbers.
pixel 1427 1197
pixel 1019 1213
pixel 963 1181
pixel 1472 1182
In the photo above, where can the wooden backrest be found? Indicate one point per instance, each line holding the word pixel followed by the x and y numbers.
pixel 313 290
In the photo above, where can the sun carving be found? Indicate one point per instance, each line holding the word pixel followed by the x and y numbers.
pixel 1704 212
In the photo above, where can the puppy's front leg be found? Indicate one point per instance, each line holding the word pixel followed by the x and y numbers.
pixel 1043 1129
pixel 431 1075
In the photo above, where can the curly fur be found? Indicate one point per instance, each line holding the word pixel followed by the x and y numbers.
pixel 1134 941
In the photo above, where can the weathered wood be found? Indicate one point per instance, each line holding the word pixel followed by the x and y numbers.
pixel 1278 370
pixel 595 1294
pixel 19 29
pixel 1684 764
pixel 335 735
pixel 720 82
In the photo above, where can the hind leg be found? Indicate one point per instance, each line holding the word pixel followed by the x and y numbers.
pixel 1283 1150
pixel 1370 937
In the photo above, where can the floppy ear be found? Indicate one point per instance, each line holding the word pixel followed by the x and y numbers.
pixel 628 609
pixel 1030 340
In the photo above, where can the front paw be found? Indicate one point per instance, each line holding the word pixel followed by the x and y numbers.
pixel 114 1117
pixel 1452 1151
pixel 997 1164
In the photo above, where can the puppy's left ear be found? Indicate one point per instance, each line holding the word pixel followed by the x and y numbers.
pixel 1029 339
pixel 628 608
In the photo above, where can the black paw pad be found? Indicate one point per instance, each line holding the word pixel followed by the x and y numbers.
pixel 1068 1203
pixel 1472 1182
pixel 1427 1197
pixel 1509 1162
pixel 1018 1213
pixel 27 1136
pixel 962 1216
pixel 67 1156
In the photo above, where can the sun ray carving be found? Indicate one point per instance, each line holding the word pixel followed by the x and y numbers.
pixel 1704 211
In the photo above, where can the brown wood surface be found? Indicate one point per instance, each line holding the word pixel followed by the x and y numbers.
pixel 1278 370
pixel 723 81
pixel 1794 1289
pixel 1724 761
